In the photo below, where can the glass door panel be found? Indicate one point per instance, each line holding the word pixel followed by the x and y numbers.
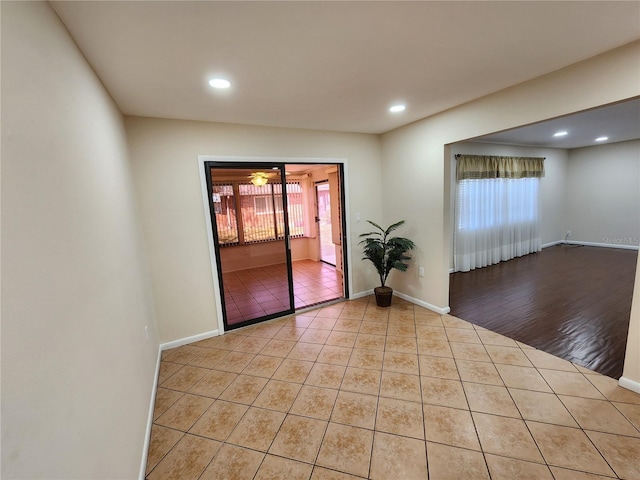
pixel 248 204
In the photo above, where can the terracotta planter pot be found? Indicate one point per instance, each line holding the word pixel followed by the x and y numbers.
pixel 383 296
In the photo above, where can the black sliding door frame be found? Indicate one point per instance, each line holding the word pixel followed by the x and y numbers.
pixel 343 227
pixel 257 166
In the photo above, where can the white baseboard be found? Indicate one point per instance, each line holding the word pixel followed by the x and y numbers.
pixel 551 244
pixel 186 340
pixel 154 390
pixel 604 245
pixel 366 293
pixel 629 384
pixel 440 310
pixel 591 244
pixel 147 434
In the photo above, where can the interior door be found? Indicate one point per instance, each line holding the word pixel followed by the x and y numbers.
pixel 323 219
pixel 248 206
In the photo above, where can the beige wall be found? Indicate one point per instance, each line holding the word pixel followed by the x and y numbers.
pixel 603 194
pixel 242 257
pixel 164 156
pixel 416 165
pixel 77 370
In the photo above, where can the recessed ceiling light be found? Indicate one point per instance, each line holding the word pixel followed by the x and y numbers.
pixel 397 108
pixel 602 139
pixel 561 134
pixel 219 83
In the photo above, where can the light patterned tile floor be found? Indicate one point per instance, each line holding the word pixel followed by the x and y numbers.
pixel 355 391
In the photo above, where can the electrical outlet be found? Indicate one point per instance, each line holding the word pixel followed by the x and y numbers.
pixel 421 271
pixel 568 233
pixel 146 332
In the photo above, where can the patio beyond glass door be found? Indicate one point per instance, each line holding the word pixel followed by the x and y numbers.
pixel 249 207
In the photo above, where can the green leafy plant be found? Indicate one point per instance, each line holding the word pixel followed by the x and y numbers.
pixel 386 253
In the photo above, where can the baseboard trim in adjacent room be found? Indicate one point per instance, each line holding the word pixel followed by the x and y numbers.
pixel 147 434
pixel 603 245
pixel 590 244
pixel 629 384
pixel 552 244
pixel 184 341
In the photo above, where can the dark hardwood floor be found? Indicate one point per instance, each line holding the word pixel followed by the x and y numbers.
pixel 568 300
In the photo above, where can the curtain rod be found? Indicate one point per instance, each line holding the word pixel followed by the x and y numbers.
pixel 458 155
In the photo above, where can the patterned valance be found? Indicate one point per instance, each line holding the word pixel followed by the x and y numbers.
pixel 485 166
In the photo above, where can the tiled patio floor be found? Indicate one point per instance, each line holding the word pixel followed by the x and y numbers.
pixel 258 292
pixel 354 391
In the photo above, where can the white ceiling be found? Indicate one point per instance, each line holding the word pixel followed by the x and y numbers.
pixel 332 65
pixel 619 122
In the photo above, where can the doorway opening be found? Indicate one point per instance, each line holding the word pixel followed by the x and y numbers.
pixel 323 219
pixel 577 300
pixel 267 240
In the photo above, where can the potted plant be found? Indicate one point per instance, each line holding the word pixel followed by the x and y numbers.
pixel 386 253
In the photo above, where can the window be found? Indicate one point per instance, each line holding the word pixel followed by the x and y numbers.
pixel 225 210
pixel 261 212
pixel 497 202
pixel 496 213
pixel 263 204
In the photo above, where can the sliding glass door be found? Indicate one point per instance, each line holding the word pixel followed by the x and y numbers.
pixel 250 217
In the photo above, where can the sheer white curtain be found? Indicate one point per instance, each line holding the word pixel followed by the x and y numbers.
pixel 496 219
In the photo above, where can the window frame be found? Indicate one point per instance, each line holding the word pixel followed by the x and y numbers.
pixel 271 199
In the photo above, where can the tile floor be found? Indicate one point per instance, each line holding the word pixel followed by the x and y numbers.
pixel 258 292
pixel 315 282
pixel 353 391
